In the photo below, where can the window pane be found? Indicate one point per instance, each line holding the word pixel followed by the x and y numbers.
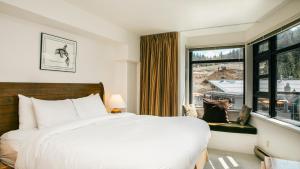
pixel 264 85
pixel 218 81
pixel 288 86
pixel 217 54
pixel 263 105
pixel 289 37
pixel 288 107
pixel 263 67
pixel 288 67
pixel 263 47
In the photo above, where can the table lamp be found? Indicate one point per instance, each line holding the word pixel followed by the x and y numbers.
pixel 116 103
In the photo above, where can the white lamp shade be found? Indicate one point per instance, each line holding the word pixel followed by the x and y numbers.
pixel 116 101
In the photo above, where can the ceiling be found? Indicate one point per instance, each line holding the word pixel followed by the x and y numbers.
pixel 155 16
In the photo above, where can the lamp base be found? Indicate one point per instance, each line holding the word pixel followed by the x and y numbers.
pixel 116 110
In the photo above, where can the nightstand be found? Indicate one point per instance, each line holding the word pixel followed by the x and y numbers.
pixel 116 110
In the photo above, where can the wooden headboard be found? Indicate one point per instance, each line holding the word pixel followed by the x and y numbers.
pixel 9 119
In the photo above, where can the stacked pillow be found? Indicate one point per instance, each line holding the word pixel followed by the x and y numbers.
pixel 91 106
pixel 190 110
pixel 50 113
pixel 215 111
pixel 26 113
pixel 36 113
pixel 244 115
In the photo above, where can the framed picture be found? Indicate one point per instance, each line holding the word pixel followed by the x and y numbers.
pixel 58 54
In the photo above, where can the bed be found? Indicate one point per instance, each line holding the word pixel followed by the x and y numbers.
pixel 113 141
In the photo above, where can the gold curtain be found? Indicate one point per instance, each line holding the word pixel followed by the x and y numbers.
pixel 159 74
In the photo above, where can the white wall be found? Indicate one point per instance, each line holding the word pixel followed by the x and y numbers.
pixel 249 75
pixel 133 91
pixel 277 140
pixel 66 15
pixel 221 39
pixel 274 20
pixel 97 59
pixel 181 72
pixel 234 142
pixel 105 51
pixel 20 55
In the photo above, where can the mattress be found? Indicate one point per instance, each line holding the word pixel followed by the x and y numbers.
pixel 10 144
pixel 133 141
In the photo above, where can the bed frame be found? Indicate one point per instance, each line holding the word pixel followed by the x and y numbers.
pixel 9 91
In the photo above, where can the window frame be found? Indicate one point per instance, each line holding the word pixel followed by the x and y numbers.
pixel 271 56
pixel 191 62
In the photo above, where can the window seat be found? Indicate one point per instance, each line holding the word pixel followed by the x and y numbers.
pixel 233 127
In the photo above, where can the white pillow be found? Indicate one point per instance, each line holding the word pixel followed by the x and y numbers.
pixel 90 106
pixel 26 113
pixel 50 113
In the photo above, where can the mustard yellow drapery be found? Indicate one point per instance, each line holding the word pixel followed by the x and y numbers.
pixel 159 74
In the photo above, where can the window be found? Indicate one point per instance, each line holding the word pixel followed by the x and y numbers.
pixel 264 68
pixel 263 47
pixel 217 73
pixel 276 87
pixel 288 38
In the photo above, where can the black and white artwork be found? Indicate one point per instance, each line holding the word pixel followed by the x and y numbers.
pixel 58 54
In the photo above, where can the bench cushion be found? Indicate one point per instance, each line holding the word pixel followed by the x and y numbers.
pixel 233 127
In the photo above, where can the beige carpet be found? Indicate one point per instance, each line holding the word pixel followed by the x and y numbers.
pixel 230 160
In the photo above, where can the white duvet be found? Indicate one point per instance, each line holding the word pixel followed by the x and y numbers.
pixel 117 141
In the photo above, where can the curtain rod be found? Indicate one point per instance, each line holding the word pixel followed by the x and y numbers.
pixel 276 32
pixel 219 26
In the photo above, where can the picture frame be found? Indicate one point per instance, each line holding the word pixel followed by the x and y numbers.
pixel 57 53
